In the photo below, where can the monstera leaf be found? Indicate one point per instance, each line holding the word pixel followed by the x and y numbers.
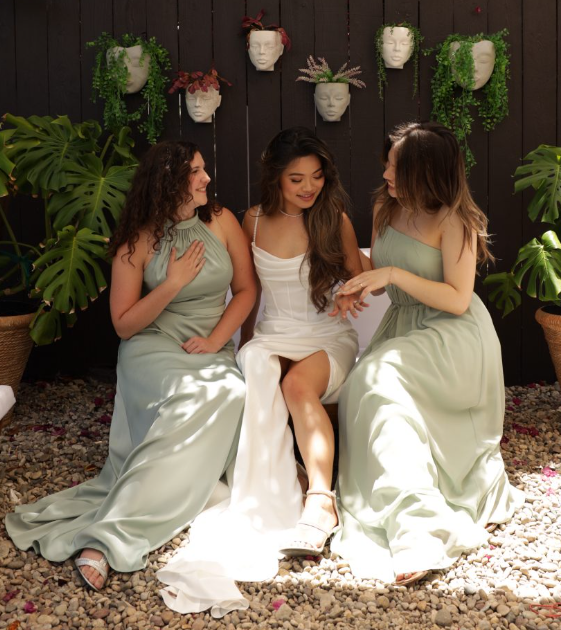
pixel 41 147
pixel 71 275
pixel 92 196
pixel 506 295
pixel 6 165
pixel 544 174
pixel 542 260
pixel 46 326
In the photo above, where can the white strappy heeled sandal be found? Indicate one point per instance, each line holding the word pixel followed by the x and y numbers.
pixel 301 547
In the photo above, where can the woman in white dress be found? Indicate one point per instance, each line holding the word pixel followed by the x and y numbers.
pixel 296 358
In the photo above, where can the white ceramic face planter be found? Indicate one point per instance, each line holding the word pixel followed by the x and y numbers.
pixel 265 47
pixel 202 105
pixel 397 46
pixel 138 74
pixel 332 99
pixel 483 54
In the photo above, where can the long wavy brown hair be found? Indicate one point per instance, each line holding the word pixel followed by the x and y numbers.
pixel 159 187
pixel 323 221
pixel 429 174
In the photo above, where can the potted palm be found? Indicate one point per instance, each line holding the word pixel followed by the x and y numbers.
pixel 332 95
pixel 537 269
pixel 80 185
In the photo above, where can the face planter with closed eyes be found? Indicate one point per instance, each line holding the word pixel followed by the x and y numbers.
pixel 483 54
pixel 332 99
pixel 265 47
pixel 397 46
pixel 138 71
pixel 202 105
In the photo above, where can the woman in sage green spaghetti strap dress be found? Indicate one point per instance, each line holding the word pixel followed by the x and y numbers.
pixel 421 414
pixel 180 394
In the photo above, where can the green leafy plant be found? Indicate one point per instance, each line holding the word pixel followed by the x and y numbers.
pixel 193 81
pixel 538 265
pixel 415 34
pixel 320 72
pixel 110 83
pixel 82 183
pixel 255 24
pixel 453 82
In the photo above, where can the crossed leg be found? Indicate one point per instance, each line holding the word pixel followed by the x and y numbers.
pixel 303 384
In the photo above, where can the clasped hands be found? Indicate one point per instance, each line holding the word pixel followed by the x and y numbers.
pixel 350 297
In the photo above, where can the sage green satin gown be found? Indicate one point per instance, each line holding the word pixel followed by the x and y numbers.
pixel 420 424
pixel 173 434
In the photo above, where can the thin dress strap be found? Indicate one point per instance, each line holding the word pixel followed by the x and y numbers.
pixel 255 226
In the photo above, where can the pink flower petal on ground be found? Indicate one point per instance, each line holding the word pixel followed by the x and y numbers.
pixel 104 419
pixel 550 491
pixel 110 396
pixel 516 400
pixel 509 408
pixel 42 427
pixel 29 607
pixel 505 440
pixel 98 401
pixel 532 385
pixel 488 556
pixel 74 483
pixel 58 431
pixel 10 595
pixel 278 603
pixel 533 431
pixel 549 472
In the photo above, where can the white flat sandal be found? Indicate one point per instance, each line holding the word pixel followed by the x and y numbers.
pixel 101 566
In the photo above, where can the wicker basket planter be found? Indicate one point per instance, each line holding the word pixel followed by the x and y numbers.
pixel 15 346
pixel 551 324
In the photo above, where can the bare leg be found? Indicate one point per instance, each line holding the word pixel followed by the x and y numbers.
pixel 305 381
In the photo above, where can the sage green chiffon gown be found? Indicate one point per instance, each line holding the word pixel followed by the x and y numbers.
pixel 173 434
pixel 420 424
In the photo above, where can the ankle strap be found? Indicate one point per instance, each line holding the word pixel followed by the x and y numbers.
pixel 325 493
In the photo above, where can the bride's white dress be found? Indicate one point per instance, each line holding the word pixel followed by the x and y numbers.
pixel 238 538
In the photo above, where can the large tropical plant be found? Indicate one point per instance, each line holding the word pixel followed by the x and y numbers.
pixel 537 269
pixel 82 183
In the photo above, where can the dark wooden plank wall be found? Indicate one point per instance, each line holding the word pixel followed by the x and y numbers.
pixel 47 70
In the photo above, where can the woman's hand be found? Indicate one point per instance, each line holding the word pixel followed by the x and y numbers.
pixel 182 271
pixel 201 345
pixel 367 282
pixel 344 304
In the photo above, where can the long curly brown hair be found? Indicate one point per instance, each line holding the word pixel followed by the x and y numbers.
pixel 323 221
pixel 159 187
pixel 429 174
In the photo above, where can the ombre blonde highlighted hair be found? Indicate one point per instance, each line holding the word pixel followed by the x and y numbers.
pixel 429 175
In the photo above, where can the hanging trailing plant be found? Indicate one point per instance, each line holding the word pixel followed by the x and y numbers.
pixel 110 75
pixel 417 38
pixel 453 87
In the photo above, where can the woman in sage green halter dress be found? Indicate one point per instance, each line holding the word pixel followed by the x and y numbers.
pixel 180 394
pixel 421 414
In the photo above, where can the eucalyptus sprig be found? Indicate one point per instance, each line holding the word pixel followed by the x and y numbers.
pixel 110 83
pixel 452 87
pixel 415 34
